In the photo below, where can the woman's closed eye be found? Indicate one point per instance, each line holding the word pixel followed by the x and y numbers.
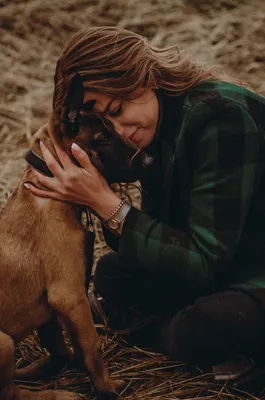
pixel 116 111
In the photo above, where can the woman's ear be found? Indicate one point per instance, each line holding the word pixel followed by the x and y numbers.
pixel 74 104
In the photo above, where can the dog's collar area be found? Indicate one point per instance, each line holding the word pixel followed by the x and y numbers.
pixel 38 163
pixel 89 224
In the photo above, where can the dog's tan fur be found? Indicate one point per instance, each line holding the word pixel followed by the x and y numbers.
pixel 42 272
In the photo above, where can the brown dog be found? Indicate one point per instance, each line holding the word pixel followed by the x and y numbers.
pixel 43 262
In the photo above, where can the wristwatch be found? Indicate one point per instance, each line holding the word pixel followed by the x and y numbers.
pixel 115 219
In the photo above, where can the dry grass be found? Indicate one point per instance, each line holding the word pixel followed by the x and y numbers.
pixel 148 375
pixel 229 33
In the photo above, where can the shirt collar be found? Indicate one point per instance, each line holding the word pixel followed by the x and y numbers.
pixel 169 115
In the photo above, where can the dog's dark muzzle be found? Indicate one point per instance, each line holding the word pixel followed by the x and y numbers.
pixel 132 170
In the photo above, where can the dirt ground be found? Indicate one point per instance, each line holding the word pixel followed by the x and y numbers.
pixel 228 33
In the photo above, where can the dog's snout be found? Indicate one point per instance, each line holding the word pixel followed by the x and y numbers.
pixel 141 159
pixel 147 160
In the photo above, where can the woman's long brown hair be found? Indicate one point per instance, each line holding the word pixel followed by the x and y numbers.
pixel 119 62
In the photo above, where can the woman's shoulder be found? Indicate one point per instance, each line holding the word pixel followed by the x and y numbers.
pixel 220 91
pixel 210 97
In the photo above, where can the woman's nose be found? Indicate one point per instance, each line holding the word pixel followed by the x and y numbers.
pixel 122 129
pixel 118 127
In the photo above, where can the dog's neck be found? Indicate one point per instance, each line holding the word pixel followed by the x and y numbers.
pixel 35 159
pixel 46 135
pixel 34 156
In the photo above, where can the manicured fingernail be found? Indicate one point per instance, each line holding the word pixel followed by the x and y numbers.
pixel 41 143
pixel 26 185
pixel 75 147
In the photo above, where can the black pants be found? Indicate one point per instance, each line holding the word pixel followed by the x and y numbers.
pixel 207 332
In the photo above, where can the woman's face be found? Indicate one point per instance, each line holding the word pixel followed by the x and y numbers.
pixel 135 120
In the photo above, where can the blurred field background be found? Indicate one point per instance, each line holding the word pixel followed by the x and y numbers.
pixel 228 33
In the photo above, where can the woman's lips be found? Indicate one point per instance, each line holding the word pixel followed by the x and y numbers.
pixel 132 137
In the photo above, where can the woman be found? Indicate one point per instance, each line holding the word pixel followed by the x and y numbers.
pixel 194 255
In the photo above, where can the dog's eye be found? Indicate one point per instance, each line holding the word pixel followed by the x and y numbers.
pixel 103 140
pixel 102 137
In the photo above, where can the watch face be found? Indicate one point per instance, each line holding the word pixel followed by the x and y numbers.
pixel 113 224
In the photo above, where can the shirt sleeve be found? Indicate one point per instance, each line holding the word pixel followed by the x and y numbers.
pixel 111 240
pixel 225 173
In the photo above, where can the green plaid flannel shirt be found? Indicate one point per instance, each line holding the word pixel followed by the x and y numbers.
pixel 204 225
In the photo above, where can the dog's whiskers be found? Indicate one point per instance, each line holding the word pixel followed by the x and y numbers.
pixel 135 154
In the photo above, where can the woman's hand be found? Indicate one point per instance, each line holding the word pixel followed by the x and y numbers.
pixel 81 185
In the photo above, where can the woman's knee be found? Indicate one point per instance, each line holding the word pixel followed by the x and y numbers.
pixel 190 335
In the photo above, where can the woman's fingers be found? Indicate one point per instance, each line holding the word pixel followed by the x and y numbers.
pixel 49 183
pixel 63 156
pixel 82 157
pixel 51 162
pixel 42 193
pixel 79 154
pixel 70 183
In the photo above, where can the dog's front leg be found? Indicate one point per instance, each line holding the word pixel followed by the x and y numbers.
pixel 77 317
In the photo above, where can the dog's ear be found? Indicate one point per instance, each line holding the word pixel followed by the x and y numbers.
pixel 74 103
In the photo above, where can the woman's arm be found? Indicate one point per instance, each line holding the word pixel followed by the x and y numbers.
pixel 226 172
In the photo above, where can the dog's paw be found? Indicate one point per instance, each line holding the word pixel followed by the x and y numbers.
pixel 49 395
pixel 63 395
pixel 69 396
pixel 42 368
pixel 111 389
pixel 117 385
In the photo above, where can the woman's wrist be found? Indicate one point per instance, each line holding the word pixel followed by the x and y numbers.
pixel 113 212
pixel 106 205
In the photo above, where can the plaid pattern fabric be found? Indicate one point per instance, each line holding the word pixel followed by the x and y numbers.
pixel 204 223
